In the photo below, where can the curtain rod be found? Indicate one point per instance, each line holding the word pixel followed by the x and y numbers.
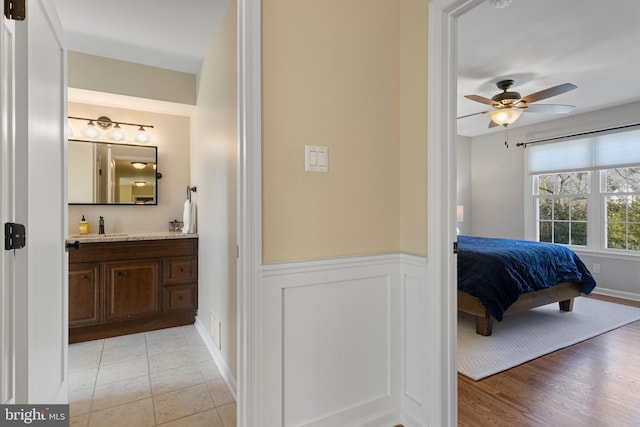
pixel 537 141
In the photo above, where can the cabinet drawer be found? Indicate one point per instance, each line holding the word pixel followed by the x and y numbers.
pixel 180 269
pixel 179 297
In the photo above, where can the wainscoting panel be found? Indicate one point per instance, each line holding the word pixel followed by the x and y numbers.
pixel 415 328
pixel 337 347
pixel 348 342
pixel 332 342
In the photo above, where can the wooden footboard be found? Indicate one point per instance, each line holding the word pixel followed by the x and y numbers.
pixel 563 293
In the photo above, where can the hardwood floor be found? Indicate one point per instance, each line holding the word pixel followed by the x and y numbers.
pixel 593 383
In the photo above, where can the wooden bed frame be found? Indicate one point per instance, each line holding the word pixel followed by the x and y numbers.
pixel 563 293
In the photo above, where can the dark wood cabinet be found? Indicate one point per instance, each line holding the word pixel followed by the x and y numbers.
pixel 123 287
pixel 133 289
pixel 85 296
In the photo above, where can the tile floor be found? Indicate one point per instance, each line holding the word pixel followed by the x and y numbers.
pixel 161 378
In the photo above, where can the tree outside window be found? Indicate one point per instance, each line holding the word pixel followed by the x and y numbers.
pixel 562 207
pixel 622 204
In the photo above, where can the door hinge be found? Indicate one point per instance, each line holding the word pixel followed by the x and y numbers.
pixel 237 251
pixel 14 236
pixel 455 247
pixel 15 9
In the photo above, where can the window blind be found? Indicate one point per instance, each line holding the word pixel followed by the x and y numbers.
pixel 597 152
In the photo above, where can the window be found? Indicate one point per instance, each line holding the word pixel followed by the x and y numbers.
pixel 561 203
pixel 621 198
pixel 586 192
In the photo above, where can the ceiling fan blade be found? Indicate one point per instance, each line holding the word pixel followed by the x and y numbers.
pixel 473 114
pixel 548 93
pixel 549 108
pixel 481 99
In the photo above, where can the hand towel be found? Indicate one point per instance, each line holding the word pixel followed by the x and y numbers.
pixel 186 216
pixel 189 217
pixel 192 220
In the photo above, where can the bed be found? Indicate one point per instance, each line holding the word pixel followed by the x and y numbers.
pixel 497 277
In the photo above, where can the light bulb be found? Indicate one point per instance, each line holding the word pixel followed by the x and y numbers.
pixel 141 136
pixel 90 130
pixel 139 165
pixel 116 133
pixel 140 183
pixel 506 116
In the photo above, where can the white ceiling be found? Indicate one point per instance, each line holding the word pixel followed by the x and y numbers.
pixel 538 43
pixel 542 43
pixel 168 34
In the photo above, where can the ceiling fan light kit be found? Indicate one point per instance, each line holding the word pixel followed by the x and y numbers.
pixel 505 116
pixel 508 105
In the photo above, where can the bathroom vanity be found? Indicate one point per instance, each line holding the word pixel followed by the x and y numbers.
pixel 127 283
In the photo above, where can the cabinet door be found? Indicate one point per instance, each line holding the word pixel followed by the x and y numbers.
pixel 133 289
pixel 84 295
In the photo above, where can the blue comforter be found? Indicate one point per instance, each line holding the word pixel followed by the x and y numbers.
pixel 498 271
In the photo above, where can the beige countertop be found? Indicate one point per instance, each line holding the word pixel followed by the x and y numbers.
pixel 123 237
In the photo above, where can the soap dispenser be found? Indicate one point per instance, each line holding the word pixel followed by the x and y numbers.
pixel 83 226
pixel 101 226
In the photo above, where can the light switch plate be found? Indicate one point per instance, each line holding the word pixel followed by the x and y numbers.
pixel 316 158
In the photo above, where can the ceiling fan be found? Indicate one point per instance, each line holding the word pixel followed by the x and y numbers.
pixel 508 105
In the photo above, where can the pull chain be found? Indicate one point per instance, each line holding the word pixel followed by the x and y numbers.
pixel 506 136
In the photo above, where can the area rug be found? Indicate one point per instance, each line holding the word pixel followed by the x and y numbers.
pixel 525 336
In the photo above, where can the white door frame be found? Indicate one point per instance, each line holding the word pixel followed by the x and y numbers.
pixel 442 89
pixel 249 212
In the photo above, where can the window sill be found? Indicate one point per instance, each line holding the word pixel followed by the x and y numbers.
pixel 609 254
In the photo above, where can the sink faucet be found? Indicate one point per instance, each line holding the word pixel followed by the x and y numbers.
pixel 101 226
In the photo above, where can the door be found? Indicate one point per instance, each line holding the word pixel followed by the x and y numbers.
pixel 40 314
pixel 85 295
pixel 133 289
pixel 7 344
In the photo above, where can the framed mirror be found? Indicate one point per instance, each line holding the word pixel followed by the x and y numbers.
pixel 103 173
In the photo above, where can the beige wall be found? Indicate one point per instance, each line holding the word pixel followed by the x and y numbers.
pixel 171 135
pixel 213 170
pixel 126 78
pixel 330 76
pixel 413 125
pixel 350 76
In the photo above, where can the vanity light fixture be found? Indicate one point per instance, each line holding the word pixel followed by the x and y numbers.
pixel 90 130
pixel 115 132
pixel 141 136
pixel 140 183
pixel 139 165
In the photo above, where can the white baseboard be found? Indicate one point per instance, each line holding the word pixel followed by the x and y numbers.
pixel 616 294
pixel 410 421
pixel 227 376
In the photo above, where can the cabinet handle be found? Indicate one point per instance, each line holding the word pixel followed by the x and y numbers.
pixel 181 270
pixel 84 277
pixel 180 299
pixel 74 245
pixel 119 273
